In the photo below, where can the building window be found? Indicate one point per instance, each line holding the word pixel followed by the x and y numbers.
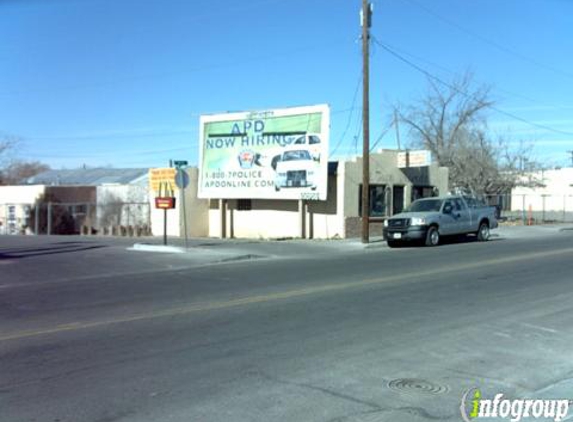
pixel 378 200
pixel 419 192
pixel 78 209
pixel 244 204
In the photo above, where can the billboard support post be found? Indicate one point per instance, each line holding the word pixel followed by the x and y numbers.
pixel 223 212
pixel 302 217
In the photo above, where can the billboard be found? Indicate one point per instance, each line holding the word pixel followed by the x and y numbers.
pixel 275 154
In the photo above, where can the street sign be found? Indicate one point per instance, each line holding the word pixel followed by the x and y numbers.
pixel 181 179
pixel 165 203
pixel 181 163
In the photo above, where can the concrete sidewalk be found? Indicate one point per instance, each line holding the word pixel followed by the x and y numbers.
pixel 299 248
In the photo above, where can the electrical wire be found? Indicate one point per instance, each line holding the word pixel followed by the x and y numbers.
pixel 465 94
pixel 500 47
pixel 108 153
pixel 110 136
pixel 444 69
pixel 349 121
pixel 382 134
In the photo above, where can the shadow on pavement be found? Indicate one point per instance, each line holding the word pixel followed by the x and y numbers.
pixel 48 250
pixel 449 240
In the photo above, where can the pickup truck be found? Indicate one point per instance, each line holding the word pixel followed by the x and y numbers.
pixel 427 220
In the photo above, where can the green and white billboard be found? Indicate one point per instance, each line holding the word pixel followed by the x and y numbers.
pixel 275 154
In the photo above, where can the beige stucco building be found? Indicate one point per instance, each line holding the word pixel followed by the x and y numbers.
pixel 133 203
pixel 391 189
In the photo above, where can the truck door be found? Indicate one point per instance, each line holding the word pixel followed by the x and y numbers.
pixel 462 215
pixel 448 224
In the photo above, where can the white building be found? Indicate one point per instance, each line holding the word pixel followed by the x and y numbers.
pixel 15 205
pixel 544 196
pixel 94 197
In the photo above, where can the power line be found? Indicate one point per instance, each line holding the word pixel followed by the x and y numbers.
pixel 110 136
pixel 500 47
pixel 451 72
pixel 465 94
pixel 349 121
pixel 170 75
pixel 101 154
pixel 384 132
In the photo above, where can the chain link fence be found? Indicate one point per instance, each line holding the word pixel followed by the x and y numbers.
pixel 109 218
pixel 533 208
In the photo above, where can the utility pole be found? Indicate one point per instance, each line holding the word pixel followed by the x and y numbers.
pixel 366 21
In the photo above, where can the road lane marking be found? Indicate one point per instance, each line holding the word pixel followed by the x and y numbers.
pixel 290 294
pixel 540 328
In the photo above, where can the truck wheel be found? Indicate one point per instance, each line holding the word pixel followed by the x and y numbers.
pixel 483 232
pixel 433 236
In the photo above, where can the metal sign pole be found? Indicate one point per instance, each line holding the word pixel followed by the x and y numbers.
pixel 182 196
pixel 165 226
pixel 181 181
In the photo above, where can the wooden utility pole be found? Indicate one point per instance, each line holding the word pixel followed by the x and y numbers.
pixel 366 22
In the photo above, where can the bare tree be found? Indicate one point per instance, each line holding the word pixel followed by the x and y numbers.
pixel 7 144
pixel 17 171
pixel 13 171
pixel 450 121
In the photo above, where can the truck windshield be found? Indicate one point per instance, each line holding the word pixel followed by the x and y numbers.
pixel 426 205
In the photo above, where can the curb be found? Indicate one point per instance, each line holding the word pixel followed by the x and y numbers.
pixel 156 248
pixel 376 245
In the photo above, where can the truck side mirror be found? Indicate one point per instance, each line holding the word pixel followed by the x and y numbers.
pixel 448 209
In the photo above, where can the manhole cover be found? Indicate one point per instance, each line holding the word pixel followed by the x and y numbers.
pixel 413 385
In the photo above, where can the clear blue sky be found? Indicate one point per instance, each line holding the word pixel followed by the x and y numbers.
pixel 122 82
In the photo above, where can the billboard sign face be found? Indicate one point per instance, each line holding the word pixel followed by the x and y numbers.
pixel 275 154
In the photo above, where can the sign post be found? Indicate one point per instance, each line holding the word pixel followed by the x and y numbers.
pixel 165 227
pixel 166 202
pixel 161 182
pixel 182 181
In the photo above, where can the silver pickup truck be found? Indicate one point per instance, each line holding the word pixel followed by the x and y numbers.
pixel 427 220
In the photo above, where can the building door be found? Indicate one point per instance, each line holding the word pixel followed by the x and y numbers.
pixel 397 199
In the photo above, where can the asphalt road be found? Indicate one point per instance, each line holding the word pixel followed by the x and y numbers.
pixel 92 332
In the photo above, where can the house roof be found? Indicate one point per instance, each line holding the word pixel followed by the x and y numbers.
pixel 87 177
